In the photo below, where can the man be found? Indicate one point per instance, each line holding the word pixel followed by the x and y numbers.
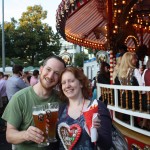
pixel 3 95
pixel 15 83
pixel 18 113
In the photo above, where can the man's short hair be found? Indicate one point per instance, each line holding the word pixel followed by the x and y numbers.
pixel 56 57
pixel 17 68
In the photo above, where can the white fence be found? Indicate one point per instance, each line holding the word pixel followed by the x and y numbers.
pixel 115 107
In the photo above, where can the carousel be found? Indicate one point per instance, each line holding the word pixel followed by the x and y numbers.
pixel 104 25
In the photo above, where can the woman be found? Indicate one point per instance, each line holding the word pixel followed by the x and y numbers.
pixel 116 69
pixel 146 82
pixel 146 74
pixel 128 74
pixel 104 74
pixel 104 77
pixel 74 89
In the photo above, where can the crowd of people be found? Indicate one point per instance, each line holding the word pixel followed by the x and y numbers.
pixel 73 95
pixel 54 82
pixel 10 84
pixel 127 72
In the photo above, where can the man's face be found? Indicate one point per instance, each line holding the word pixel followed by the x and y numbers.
pixel 49 74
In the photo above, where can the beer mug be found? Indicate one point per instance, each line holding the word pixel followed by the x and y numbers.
pixel 52 115
pixel 39 117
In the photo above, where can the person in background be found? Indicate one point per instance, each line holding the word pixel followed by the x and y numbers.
pixel 3 95
pixel 128 74
pixel 18 113
pixel 146 74
pixel 94 89
pixel 3 101
pixel 90 86
pixel 27 75
pixel 93 83
pixel 94 93
pixel 141 69
pixel 34 78
pixel 122 50
pixel 15 82
pixel 146 82
pixel 74 90
pixel 104 74
pixel 6 76
pixel 116 68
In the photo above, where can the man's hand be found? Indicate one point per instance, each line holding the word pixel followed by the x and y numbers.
pixel 34 134
pixel 15 136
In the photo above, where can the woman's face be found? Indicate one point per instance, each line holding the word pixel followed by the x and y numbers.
pixel 134 60
pixel 71 86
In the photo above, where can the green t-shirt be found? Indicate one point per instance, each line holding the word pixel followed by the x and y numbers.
pixel 19 112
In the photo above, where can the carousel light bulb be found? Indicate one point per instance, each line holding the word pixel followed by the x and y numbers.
pixel 127 22
pixel 119 11
pixel 123 2
pixel 114 31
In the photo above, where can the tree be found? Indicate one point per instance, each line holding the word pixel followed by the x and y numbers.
pixel 30 40
pixel 80 58
pixel 10 32
pixel 36 39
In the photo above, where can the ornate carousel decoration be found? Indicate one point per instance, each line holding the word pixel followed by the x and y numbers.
pixel 67 57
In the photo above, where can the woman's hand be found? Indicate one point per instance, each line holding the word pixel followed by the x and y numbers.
pixel 96 122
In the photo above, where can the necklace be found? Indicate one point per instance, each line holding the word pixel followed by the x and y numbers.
pixel 80 113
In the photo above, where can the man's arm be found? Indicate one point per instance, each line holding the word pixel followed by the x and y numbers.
pixel 16 137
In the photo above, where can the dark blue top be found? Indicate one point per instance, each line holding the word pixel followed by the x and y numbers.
pixel 104 132
pixel 84 142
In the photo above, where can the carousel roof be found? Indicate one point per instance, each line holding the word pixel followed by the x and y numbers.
pixel 102 24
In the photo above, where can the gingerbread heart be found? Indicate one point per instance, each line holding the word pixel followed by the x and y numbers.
pixel 69 135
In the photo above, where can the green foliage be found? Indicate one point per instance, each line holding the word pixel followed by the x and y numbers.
pixel 30 40
pixel 80 58
pixel 92 51
pixel 7 62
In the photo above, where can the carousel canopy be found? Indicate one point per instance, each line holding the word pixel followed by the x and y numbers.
pixel 105 24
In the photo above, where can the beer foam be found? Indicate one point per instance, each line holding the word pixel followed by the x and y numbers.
pixel 38 112
pixel 54 110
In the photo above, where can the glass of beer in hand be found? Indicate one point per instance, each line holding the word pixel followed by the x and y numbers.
pixel 52 116
pixel 39 117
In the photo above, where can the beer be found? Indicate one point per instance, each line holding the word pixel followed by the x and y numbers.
pixel 39 117
pixel 52 116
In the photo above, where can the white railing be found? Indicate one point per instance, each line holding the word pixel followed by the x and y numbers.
pixel 114 104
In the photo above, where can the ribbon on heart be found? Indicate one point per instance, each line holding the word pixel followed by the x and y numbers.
pixel 69 135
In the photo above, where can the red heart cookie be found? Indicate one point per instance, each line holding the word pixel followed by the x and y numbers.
pixel 69 135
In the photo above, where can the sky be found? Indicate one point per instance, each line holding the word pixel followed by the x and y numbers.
pixel 15 8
